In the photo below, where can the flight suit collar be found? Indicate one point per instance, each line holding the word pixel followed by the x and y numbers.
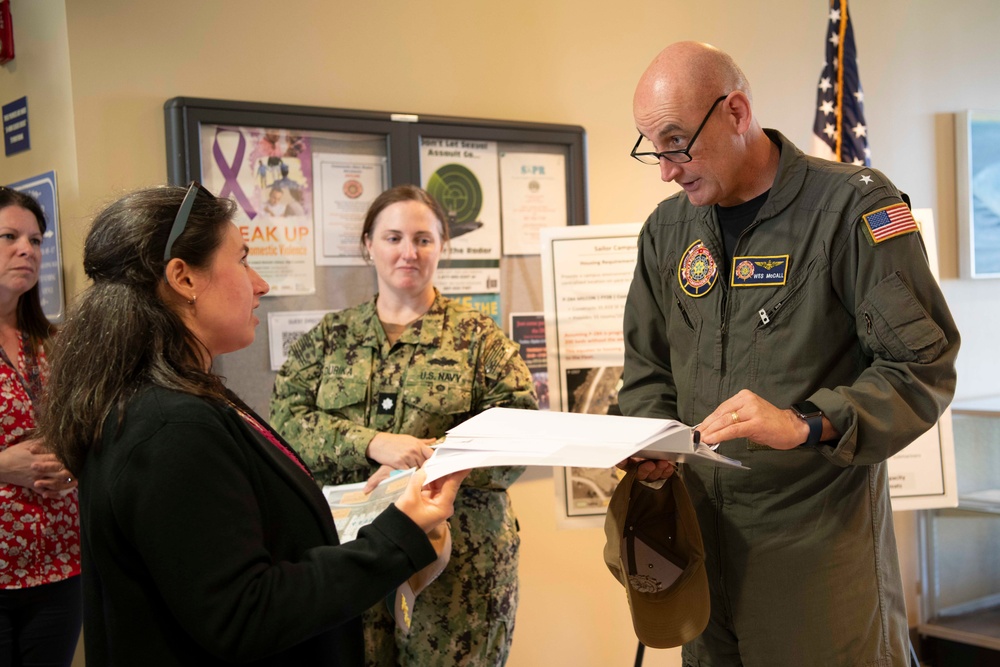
pixel 788 181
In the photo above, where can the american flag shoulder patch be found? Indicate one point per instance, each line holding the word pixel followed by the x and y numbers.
pixel 885 223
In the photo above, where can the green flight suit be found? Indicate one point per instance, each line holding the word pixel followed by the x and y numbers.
pixel 343 382
pixel 800 549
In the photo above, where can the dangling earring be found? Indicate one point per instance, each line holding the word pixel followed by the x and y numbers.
pixel 191 301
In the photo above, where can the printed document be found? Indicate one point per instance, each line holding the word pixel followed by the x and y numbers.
pixel 510 437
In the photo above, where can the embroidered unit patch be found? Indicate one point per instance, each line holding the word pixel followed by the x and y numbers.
pixel 697 271
pixel 890 221
pixel 759 271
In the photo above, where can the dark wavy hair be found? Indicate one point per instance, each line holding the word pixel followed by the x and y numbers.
pixel 31 321
pixel 120 335
pixel 394 196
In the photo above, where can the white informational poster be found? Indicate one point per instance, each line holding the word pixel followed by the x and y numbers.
pixel 534 196
pixel 268 173
pixel 284 328
pixel 345 186
pixel 586 273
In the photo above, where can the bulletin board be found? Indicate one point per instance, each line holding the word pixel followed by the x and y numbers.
pixel 303 176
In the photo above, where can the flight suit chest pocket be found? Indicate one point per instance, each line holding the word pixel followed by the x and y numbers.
pixel 795 323
pixel 342 385
pixel 896 326
pixel 684 313
pixel 682 310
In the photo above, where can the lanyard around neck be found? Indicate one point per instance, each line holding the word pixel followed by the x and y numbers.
pixel 32 386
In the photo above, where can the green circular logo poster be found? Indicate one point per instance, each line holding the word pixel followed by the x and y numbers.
pixel 458 191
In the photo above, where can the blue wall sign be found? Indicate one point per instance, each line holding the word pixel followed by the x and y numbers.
pixel 15 127
pixel 50 277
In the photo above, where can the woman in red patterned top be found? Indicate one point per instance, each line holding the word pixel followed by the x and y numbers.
pixel 40 598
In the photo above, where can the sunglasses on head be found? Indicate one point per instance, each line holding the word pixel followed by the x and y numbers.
pixel 183 213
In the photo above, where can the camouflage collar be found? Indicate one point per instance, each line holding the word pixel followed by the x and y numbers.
pixel 425 331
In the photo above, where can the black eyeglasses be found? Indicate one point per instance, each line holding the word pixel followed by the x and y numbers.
pixel 682 155
pixel 183 213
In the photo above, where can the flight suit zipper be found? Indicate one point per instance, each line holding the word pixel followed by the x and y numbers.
pixel 720 365
pixel 766 316
pixel 870 329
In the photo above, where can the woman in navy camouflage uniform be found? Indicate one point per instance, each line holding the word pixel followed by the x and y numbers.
pixel 370 388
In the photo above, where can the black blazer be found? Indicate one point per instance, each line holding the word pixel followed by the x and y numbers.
pixel 204 544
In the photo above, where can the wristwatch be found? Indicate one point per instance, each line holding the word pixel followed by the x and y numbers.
pixel 813 416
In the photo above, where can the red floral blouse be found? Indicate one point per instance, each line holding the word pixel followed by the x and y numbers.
pixel 39 538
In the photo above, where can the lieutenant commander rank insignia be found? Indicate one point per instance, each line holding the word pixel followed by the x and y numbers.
pixel 759 271
pixel 697 271
pixel 888 222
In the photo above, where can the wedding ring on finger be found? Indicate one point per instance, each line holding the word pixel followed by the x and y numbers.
pixel 736 417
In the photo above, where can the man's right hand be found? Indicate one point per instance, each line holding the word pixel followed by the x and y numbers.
pixel 648 470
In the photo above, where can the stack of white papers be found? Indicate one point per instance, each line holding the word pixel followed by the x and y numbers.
pixel 509 437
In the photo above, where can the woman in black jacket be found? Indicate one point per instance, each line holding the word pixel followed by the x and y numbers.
pixel 205 540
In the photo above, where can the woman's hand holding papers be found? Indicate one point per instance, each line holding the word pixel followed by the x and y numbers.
pixel 431 505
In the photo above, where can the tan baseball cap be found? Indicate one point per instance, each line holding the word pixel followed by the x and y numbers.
pixel 654 549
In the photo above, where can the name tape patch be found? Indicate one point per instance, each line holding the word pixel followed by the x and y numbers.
pixel 759 271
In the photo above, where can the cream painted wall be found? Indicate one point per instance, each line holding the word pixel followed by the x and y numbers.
pixel 41 71
pixel 558 61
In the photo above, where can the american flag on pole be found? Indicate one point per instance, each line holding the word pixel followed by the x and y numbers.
pixel 840 132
